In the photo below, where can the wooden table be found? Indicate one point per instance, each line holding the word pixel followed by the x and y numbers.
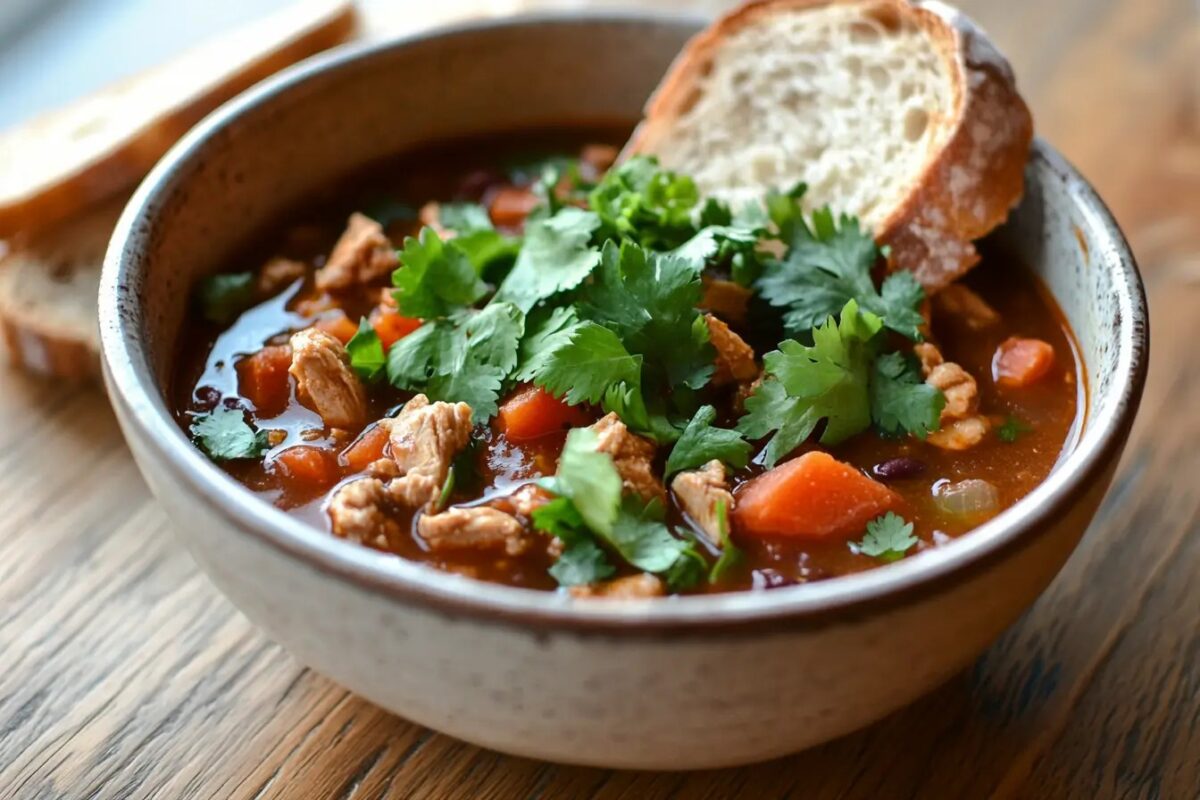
pixel 123 673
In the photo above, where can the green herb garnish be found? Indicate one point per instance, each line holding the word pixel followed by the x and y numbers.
pixel 225 435
pixel 888 538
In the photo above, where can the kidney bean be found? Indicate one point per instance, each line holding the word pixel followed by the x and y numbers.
pixel 898 469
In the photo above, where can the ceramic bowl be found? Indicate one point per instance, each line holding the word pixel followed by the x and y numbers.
pixel 692 682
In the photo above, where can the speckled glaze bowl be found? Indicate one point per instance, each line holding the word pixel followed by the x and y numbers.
pixel 689 682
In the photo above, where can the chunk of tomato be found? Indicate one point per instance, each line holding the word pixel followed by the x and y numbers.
pixel 391 326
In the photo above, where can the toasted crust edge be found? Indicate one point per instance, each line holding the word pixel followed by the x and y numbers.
pixel 932 232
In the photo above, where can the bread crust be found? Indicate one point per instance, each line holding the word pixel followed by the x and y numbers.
pixel 962 192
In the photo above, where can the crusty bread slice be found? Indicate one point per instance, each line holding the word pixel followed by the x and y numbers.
pixel 901 113
pixel 48 289
pixel 63 161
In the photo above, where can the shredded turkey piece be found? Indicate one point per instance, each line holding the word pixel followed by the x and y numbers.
pixel 632 455
pixel 474 528
pixel 628 588
pixel 359 511
pixel 700 492
pixel 324 380
pixel 962 425
pixel 362 255
pixel 425 437
pixel 735 359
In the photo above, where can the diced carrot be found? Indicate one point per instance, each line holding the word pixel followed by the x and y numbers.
pixel 1020 362
pixel 812 497
pixel 365 450
pixel 510 206
pixel 340 327
pixel 263 380
pixel 392 327
pixel 532 412
pixel 305 468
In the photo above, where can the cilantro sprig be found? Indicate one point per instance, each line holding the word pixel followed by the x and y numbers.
pixel 701 442
pixel 224 435
pixel 591 515
pixel 837 381
pixel 829 263
pixel 888 538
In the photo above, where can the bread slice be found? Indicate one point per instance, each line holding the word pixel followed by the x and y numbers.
pixel 48 289
pixel 63 161
pixel 900 113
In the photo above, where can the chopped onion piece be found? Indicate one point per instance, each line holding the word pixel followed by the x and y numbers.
pixel 969 498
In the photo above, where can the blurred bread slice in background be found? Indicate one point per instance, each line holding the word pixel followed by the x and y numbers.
pixel 901 113
pixel 64 175
pixel 64 160
pixel 48 295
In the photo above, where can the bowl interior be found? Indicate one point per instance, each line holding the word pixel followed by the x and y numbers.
pixel 267 150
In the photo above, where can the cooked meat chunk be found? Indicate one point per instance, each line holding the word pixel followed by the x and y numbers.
pixel 962 426
pixel 632 455
pixel 960 302
pixel 425 437
pixel 960 434
pixel 277 274
pixel 628 588
pixel 362 255
pixel 699 492
pixel 726 299
pixel 324 380
pixel 359 511
pixel 475 528
pixel 735 358
pixel 525 500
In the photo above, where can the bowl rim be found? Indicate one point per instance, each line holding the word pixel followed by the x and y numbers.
pixel 132 386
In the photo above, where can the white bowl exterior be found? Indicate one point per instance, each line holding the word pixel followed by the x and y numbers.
pixel 649 698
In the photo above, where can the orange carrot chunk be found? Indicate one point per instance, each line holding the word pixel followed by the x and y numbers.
pixel 813 497
pixel 339 327
pixel 365 450
pixel 532 412
pixel 305 468
pixel 392 327
pixel 263 380
pixel 511 205
pixel 1020 362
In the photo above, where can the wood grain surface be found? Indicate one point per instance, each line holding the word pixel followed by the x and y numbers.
pixel 124 673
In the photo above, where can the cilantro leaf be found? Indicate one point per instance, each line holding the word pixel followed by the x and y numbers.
pixel 589 479
pixel 900 401
pixel 688 570
pixel 642 538
pixel 225 295
pixel 641 202
pixel 628 403
pixel 367 357
pixel 649 300
pixel 888 538
pixel 588 360
pixel 464 217
pixel 485 248
pixel 830 263
pixel 435 277
pixel 556 257
pixel 1012 429
pixel 582 561
pixel 805 385
pixel 731 556
pixel 716 243
pixel 465 359
pixel 224 435
pixel 701 443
